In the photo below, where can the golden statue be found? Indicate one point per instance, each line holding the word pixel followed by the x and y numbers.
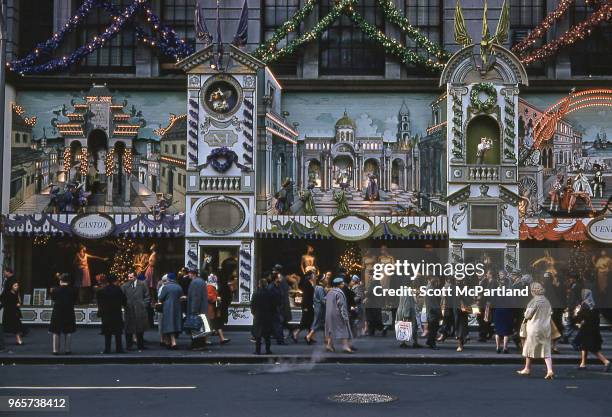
pixel 462 37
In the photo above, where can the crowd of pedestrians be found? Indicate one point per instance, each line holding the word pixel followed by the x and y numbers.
pixel 334 303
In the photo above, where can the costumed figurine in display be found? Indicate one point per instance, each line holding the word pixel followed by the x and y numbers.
pixel 341 203
pixel 343 179
pixel 581 189
pixel 372 189
pixel 482 148
pixel 284 197
pixel 309 261
pixel 555 193
pixel 599 183
pixel 218 100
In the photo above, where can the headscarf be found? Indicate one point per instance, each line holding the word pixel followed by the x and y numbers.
pixel 537 289
pixel 213 281
pixel 337 281
pixel 587 298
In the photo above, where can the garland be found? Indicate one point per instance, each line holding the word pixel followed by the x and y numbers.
pixel 489 90
pixel 576 33
pixel 282 31
pixel 540 30
pixel 268 53
pixel 222 159
pixel 394 47
pixel 396 17
pixel 168 43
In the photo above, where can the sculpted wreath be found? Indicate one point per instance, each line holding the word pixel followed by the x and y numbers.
pixel 489 90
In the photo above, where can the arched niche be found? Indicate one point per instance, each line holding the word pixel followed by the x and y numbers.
pixel 479 127
pixel 314 171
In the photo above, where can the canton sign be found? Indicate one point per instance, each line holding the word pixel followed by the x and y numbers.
pixel 93 226
pixel 351 227
pixel 601 229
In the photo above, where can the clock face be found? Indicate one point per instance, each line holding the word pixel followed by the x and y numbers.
pixel 221 97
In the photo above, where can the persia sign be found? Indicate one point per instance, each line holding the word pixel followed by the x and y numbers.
pixel 93 226
pixel 601 229
pixel 351 227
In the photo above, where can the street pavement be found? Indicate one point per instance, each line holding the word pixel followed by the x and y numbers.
pixel 87 345
pixel 290 390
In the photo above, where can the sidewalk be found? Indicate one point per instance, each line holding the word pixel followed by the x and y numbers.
pixel 87 345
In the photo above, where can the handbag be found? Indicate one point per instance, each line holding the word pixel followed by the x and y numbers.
pixel 523 330
pixel 403 331
pixel 192 322
pixel 204 329
pixel 554 331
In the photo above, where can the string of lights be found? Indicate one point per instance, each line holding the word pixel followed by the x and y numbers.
pixel 168 43
pixel 268 52
pixel 576 33
pixel 541 29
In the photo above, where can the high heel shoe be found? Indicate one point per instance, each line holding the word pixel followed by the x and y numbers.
pixel 549 376
pixel 330 349
pixel 523 373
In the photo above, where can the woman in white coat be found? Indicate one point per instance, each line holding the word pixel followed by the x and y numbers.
pixel 537 331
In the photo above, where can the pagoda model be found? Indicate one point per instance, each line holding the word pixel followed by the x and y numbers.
pixel 482 88
pixel 98 142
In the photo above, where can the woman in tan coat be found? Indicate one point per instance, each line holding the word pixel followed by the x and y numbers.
pixel 537 331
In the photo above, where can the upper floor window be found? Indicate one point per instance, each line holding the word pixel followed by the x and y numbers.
pixel 344 49
pixel 426 16
pixel 35 24
pixel 525 15
pixel 275 13
pixel 592 56
pixel 117 55
pixel 179 15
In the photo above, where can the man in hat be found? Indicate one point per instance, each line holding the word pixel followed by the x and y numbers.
pixel 110 302
pixel 136 313
pixel 337 322
pixel 197 299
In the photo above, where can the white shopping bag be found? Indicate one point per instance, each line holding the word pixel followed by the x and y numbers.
pixel 403 331
pixel 205 330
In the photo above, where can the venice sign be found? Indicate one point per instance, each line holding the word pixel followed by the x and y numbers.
pixel 600 229
pixel 93 226
pixel 351 227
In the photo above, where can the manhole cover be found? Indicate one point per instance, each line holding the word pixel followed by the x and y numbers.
pixel 361 398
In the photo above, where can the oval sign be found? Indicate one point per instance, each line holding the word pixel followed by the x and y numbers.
pixel 601 229
pixel 93 226
pixel 351 227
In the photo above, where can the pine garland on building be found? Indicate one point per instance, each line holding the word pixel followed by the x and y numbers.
pixel 267 52
pixel 123 259
pixel 351 259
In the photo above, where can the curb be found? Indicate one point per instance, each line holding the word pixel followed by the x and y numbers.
pixel 271 359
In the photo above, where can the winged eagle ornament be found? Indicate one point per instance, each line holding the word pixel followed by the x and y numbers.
pixel 462 37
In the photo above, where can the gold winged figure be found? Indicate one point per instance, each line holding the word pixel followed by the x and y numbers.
pixel 462 37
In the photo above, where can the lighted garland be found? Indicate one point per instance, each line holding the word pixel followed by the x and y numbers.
pixel 313 34
pixel 84 158
pixel 397 17
pixel 127 161
pixel 282 31
pixel 268 53
pixel 475 101
pixel 109 162
pixel 392 46
pixel 67 158
pixel 576 33
pixel 540 30
pixel 168 43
